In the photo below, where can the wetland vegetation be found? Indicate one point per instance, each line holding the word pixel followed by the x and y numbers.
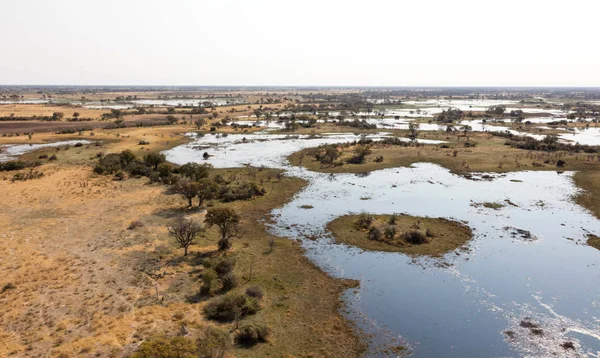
pixel 210 223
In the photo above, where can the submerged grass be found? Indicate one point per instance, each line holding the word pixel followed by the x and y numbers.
pixel 589 181
pixel 489 155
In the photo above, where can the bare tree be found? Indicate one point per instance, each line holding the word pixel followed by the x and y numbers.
pixel 184 231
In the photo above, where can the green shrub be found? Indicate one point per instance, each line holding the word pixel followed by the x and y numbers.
pixel 224 266
pixel 364 221
pixel 213 343
pixel 374 234
pixel 209 281
pixel 414 237
pixel 389 232
pixel 241 191
pixel 227 308
pixel 17 165
pixel 254 291
pixel 229 282
pixel 252 334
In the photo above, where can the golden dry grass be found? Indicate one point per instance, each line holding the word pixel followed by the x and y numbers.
pixel 448 235
pixel 85 285
pixel 490 155
pixel 29 110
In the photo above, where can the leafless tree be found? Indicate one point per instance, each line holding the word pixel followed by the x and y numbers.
pixel 184 231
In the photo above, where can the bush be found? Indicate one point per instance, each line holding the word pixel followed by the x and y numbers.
pixel 31 174
pixel 138 169
pixel 43 156
pixel 8 286
pixel 163 347
pixel 254 291
pixel 429 233
pixel 561 163
pixel 252 334
pixel 143 142
pixel 375 234
pixel 229 282
pixel 379 159
pixel 389 232
pixel 414 237
pixel 213 343
pixel 17 165
pixel 224 266
pixel 392 220
pixel 209 281
pixel 135 224
pixel 364 221
pixel 120 175
pixel 242 191
pixel 53 157
pixel 109 164
pixel 231 306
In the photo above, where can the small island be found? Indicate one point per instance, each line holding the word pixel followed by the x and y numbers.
pixel 594 241
pixel 407 234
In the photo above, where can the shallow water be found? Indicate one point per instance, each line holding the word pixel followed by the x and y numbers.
pixel 187 102
pixel 461 304
pixel 25 101
pixel 237 150
pixel 108 106
pixel 13 151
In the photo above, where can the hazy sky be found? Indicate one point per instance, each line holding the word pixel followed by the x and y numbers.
pixel 300 42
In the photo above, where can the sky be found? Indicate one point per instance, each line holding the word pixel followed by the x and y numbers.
pixel 300 42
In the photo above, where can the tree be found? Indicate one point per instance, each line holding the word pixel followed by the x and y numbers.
pixel 496 110
pixel 227 221
pixel 184 231
pixel 200 122
pixel 331 153
pixel 171 119
pixel 186 188
pixel 57 116
pixel 465 129
pixel 207 190
pixel 551 140
pixel 154 159
pixel 195 171
pixel 76 115
pixel 126 157
pixel 413 128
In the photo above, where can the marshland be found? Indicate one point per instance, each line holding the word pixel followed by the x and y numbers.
pixel 309 222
